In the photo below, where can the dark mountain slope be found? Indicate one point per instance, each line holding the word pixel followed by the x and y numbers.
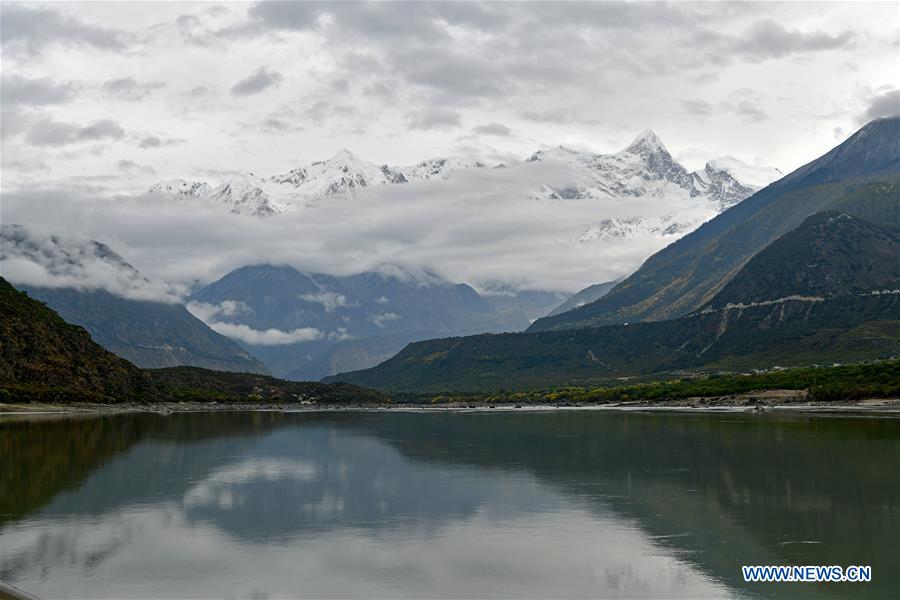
pixel 39 349
pixel 592 293
pixel 830 254
pixel 359 320
pixel 859 177
pixel 43 358
pixel 826 292
pixel 149 334
pixel 791 333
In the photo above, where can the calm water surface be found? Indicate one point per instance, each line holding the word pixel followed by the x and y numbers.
pixel 446 504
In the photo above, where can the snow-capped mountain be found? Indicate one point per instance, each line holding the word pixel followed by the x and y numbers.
pixel 749 175
pixel 181 187
pixel 644 169
pixel 342 175
pixel 441 168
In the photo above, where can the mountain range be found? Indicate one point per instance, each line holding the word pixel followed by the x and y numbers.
pixel 309 325
pixel 822 293
pixel 142 321
pixel 341 175
pixel 811 238
pixel 645 168
pixel 860 177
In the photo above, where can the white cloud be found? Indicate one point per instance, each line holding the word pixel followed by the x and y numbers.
pixel 381 318
pixel 329 300
pixel 208 312
pixel 340 334
pixel 481 225
pixel 266 337
pixel 30 258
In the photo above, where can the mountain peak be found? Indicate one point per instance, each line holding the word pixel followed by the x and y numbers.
pixel 558 152
pixel 646 141
pixel 344 156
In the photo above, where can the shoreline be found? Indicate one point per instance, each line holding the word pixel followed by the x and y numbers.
pixel 758 402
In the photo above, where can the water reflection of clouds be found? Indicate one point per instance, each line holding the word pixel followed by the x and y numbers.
pixel 524 556
pixel 216 488
pixel 315 511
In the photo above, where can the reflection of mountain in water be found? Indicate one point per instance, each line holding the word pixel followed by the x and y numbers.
pixel 723 489
pixel 719 490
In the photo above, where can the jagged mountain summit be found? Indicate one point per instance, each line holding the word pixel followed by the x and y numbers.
pixel 341 175
pixel 859 177
pixel 646 169
pixel 643 169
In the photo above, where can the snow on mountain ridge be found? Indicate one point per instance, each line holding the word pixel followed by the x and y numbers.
pixel 180 187
pixel 644 168
pixel 341 175
pixel 747 174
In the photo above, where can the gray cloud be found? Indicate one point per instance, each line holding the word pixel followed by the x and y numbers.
pixel 152 141
pixel 257 82
pixel 67 262
pixel 200 92
pixel 274 124
pixel 27 29
pixel 129 89
pixel 556 116
pixel 322 111
pixel 750 111
pixel 746 103
pixel 296 16
pixel 886 104
pixel 132 168
pixel 771 39
pixel 434 118
pixel 493 128
pixel 698 107
pixel 17 90
pixel 453 74
pixel 55 133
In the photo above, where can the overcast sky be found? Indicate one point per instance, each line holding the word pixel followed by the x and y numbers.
pixel 120 94
pixel 105 98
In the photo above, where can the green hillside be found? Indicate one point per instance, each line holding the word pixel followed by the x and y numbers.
pixel 829 254
pixel 790 333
